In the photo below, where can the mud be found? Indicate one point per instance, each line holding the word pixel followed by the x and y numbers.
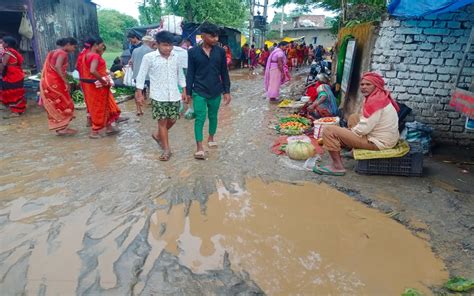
pixel 87 217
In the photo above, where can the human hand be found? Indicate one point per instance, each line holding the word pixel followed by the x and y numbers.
pixel 185 98
pixel 139 97
pixel 227 99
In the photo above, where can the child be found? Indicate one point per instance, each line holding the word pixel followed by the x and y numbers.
pixel 164 70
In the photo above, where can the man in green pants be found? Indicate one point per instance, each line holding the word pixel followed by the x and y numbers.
pixel 207 79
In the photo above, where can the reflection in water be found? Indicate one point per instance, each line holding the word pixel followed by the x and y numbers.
pixel 300 239
pixel 81 216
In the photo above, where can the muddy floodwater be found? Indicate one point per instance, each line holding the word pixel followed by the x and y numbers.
pixel 106 217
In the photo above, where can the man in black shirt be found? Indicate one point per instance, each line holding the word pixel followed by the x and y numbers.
pixel 206 80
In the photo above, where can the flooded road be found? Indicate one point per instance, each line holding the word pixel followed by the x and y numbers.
pixel 106 217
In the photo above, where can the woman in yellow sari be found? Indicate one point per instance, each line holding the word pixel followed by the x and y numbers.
pixel 54 88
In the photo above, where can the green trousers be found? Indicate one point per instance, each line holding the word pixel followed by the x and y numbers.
pixel 202 107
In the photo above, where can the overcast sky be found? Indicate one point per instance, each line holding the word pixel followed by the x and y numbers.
pixel 130 7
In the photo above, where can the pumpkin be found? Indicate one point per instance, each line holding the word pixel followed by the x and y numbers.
pixel 300 150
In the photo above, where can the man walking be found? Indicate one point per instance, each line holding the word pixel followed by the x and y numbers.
pixel 137 57
pixel 206 80
pixel 166 75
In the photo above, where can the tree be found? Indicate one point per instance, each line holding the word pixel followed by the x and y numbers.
pixel 150 12
pixel 277 18
pixel 355 11
pixel 232 13
pixel 112 26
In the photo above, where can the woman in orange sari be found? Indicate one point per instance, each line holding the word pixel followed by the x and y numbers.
pixel 12 92
pixel 54 88
pixel 96 84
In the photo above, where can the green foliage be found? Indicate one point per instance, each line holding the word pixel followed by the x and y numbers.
pixel 150 12
pixel 232 13
pixel 112 26
pixel 358 11
pixel 277 18
pixel 273 35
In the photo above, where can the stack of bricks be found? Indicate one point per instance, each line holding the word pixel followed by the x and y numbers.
pixel 419 59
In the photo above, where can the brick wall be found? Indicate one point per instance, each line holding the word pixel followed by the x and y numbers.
pixel 419 60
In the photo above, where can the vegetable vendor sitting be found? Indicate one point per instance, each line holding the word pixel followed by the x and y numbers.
pixel 375 129
pixel 322 102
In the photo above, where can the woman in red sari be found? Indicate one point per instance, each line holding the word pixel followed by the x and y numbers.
pixel 12 92
pixel 54 88
pixel 95 84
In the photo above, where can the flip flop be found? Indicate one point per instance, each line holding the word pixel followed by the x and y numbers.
pixel 165 156
pixel 157 141
pixel 201 155
pixel 122 119
pixel 212 144
pixel 112 132
pixel 94 136
pixel 324 170
pixel 66 132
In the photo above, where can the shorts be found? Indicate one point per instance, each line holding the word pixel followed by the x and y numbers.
pixel 165 110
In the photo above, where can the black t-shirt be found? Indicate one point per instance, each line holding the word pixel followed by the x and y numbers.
pixel 208 76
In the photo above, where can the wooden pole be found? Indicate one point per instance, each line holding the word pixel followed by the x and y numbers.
pixel 282 20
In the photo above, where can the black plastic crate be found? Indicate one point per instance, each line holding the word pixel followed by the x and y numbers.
pixel 410 165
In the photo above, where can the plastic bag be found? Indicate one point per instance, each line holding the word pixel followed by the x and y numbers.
pixel 190 114
pixel 181 107
pixel 25 27
pixel 172 23
pixel 311 162
pixel 128 76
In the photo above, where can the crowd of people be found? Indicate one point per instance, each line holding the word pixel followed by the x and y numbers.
pixel 175 73
pixel 297 55
pixel 165 64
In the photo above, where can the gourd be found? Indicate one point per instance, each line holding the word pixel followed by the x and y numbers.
pixel 300 150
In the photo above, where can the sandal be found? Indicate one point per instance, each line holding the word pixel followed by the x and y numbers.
pixel 165 156
pixel 122 119
pixel 157 141
pixel 324 170
pixel 94 136
pixel 212 144
pixel 66 132
pixel 112 131
pixel 201 155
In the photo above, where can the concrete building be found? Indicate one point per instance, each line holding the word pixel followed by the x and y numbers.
pixel 311 27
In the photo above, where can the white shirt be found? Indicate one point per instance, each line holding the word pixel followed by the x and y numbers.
pixel 165 76
pixel 182 56
pixel 381 128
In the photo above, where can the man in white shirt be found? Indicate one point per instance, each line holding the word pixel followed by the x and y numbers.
pixel 166 74
pixel 136 61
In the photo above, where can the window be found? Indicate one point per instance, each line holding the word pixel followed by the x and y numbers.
pixel 315 40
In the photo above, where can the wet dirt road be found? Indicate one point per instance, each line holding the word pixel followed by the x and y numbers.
pixel 106 217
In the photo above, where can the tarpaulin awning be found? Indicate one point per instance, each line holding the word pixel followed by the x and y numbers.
pixel 289 39
pixel 419 8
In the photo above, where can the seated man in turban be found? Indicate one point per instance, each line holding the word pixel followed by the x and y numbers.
pixel 375 129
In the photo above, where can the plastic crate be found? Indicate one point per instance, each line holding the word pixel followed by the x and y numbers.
pixel 410 165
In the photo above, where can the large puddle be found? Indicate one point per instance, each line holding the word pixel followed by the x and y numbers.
pixel 298 239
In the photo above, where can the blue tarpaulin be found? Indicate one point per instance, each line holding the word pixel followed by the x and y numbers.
pixel 419 8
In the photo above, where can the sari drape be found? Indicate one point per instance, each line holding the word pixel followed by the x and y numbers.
pixel 12 90
pixel 55 94
pixel 273 76
pixel 101 105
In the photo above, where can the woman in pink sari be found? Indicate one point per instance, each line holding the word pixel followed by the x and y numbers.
pixel 276 72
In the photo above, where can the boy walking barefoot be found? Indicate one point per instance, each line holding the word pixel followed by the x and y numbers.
pixel 164 71
pixel 207 79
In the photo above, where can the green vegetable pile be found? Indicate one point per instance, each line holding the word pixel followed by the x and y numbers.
pixel 294 118
pixel 411 292
pixel 124 91
pixel 77 97
pixel 459 284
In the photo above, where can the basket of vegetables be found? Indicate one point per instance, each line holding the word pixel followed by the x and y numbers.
pixel 293 125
